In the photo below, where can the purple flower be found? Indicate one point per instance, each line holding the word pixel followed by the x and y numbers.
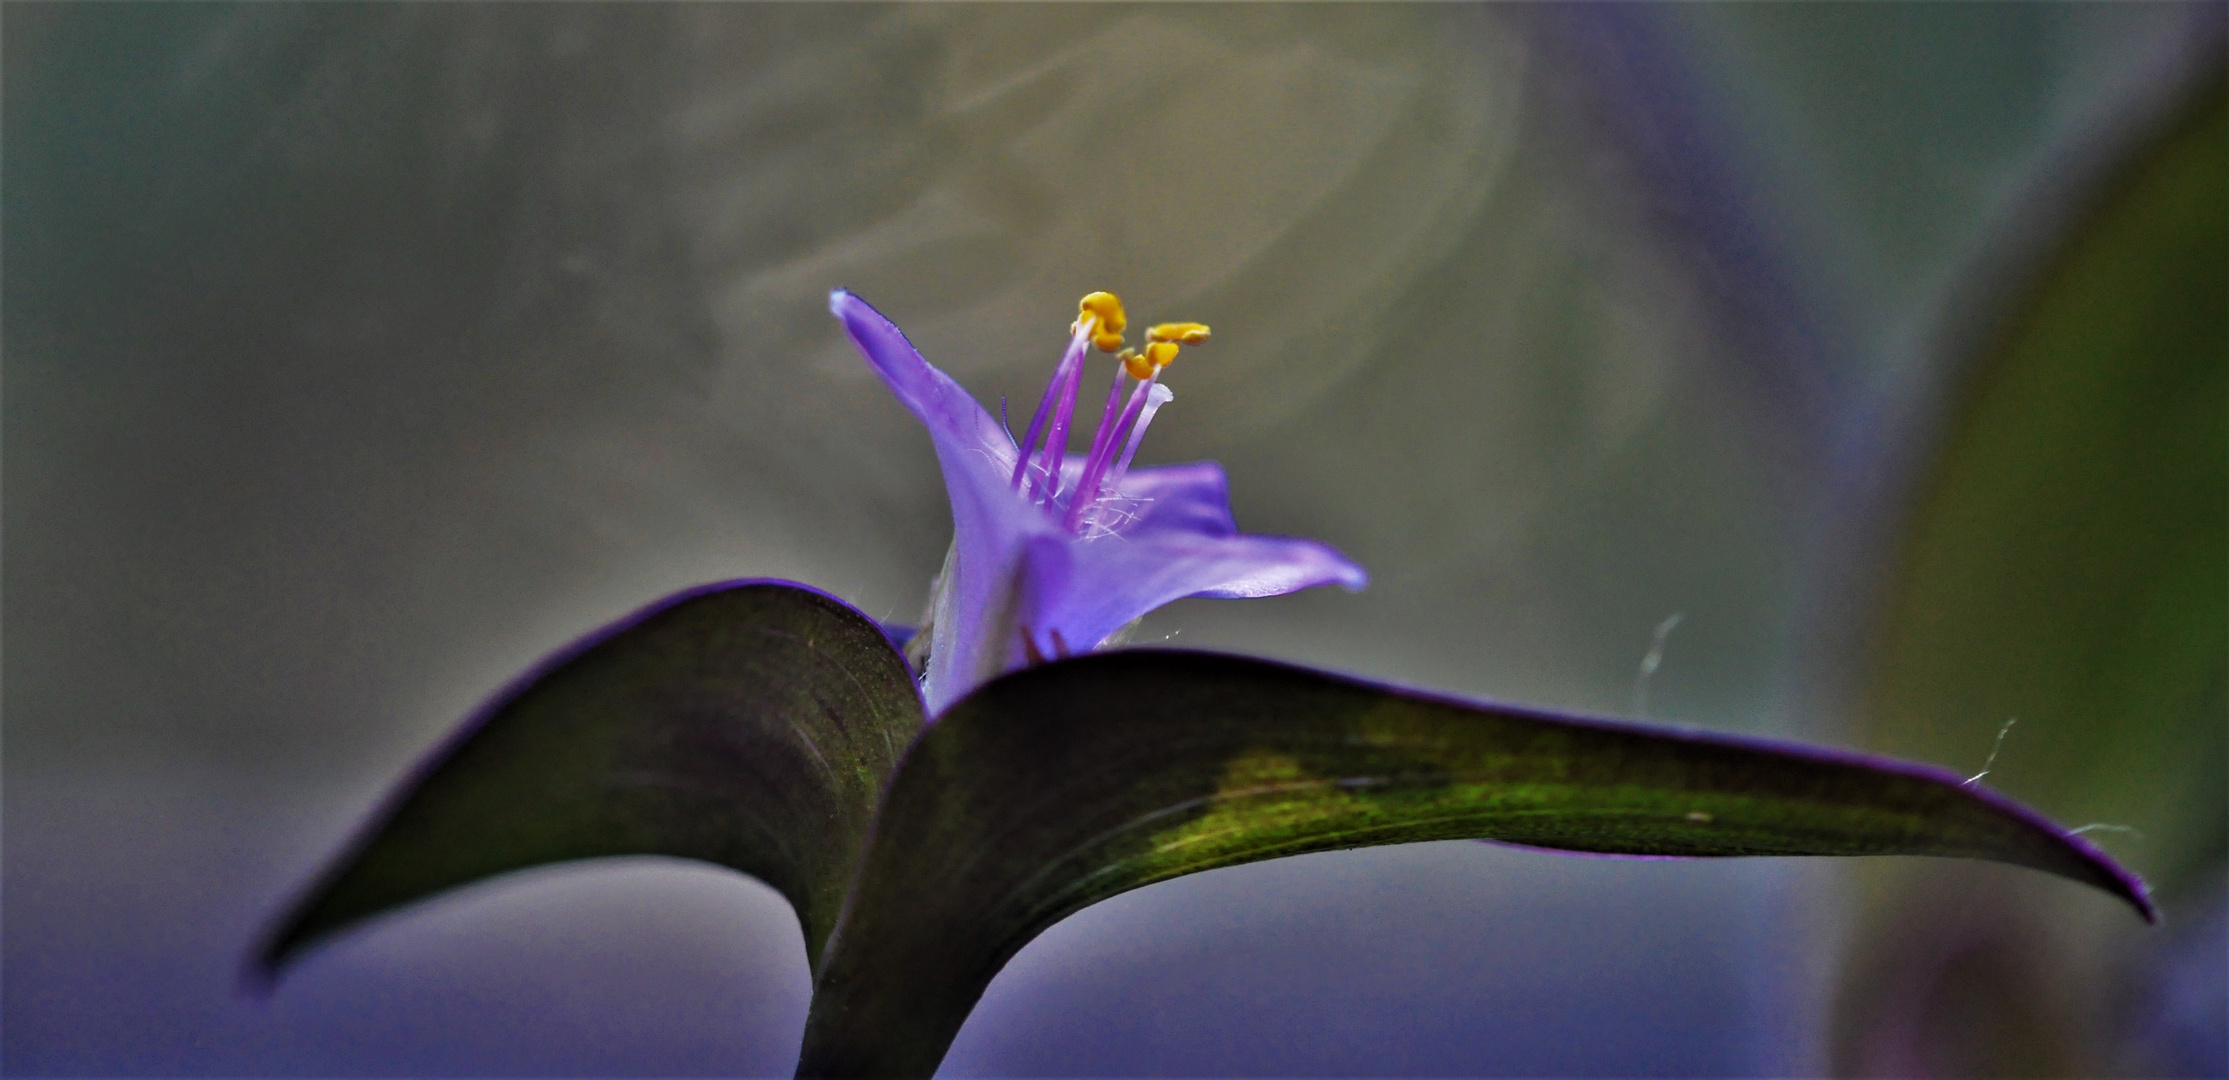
pixel 1056 553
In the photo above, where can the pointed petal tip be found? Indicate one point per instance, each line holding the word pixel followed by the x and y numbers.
pixel 852 311
pixel 928 392
pixel 1339 570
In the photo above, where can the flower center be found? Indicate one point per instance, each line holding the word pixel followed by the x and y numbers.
pixel 1089 508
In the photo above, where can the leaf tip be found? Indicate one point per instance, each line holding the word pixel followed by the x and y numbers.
pixel 2117 879
pixel 257 977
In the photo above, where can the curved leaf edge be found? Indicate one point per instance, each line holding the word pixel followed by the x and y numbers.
pixel 2109 877
pixel 278 948
pixel 840 1019
pixel 2114 879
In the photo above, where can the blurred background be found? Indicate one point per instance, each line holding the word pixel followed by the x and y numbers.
pixel 358 355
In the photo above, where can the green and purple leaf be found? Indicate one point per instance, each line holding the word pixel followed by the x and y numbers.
pixel 1053 788
pixel 749 724
pixel 757 725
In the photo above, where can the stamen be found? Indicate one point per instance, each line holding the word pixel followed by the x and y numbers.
pixel 1100 320
pixel 1103 442
pixel 1102 438
pixel 1107 308
pixel 1157 396
pixel 1069 379
pixel 1189 333
pixel 1073 358
pixel 1157 355
pixel 1093 479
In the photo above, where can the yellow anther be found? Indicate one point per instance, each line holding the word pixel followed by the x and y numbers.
pixel 1190 333
pixel 1142 365
pixel 1106 308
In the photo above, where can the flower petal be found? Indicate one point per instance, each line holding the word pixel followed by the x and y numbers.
pixel 1086 591
pixel 975 603
pixel 1194 497
pixel 1018 585
pixel 951 413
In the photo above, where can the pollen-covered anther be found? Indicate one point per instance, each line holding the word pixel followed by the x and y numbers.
pixel 1186 333
pixel 1105 308
pixel 1157 355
